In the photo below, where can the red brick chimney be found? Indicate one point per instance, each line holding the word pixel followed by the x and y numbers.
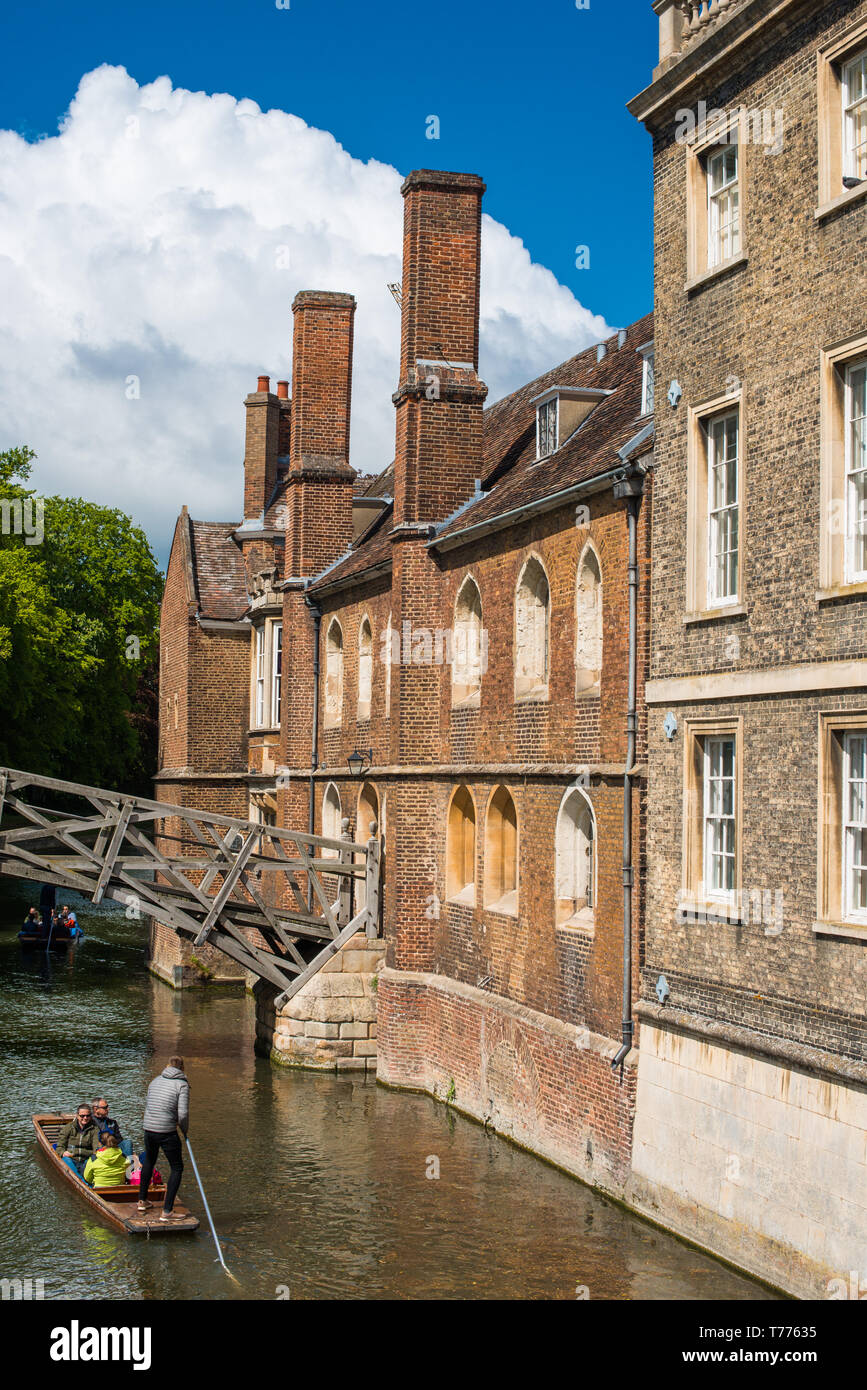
pixel 438 456
pixel 260 452
pixel 319 512
pixel 439 398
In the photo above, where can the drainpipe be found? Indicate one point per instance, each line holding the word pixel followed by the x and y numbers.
pixel 316 612
pixel 629 486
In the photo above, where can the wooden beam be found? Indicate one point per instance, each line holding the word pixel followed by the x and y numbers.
pixel 231 878
pixel 329 950
pixel 113 851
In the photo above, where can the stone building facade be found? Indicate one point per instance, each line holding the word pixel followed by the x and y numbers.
pixel 751 1129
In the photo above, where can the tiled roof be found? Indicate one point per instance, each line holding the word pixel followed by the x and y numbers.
pixel 512 477
pixel 218 570
pixel 375 549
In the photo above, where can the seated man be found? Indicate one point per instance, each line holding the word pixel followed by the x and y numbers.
pixel 110 1126
pixel 32 924
pixel 78 1140
pixel 108 1166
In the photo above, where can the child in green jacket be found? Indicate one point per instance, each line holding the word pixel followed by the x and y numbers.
pixel 109 1165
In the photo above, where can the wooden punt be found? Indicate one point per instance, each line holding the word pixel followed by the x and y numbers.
pixel 116 1204
pixel 31 942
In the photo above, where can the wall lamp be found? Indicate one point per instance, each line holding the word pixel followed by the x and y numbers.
pixel 360 761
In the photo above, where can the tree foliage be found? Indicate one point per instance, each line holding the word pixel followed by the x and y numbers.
pixel 79 633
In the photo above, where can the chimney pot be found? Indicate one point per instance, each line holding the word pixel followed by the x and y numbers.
pixel 264 383
pixel 283 390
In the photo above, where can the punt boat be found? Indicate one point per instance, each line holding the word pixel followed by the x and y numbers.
pixel 116 1204
pixel 57 943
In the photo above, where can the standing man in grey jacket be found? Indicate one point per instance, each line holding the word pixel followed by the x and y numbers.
pixel 167 1110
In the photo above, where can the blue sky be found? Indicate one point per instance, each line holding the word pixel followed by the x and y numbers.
pixel 531 96
pixel 150 249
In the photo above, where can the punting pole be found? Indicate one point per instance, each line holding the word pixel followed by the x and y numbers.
pixel 208 1211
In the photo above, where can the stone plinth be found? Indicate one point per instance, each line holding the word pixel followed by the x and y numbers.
pixel 330 1025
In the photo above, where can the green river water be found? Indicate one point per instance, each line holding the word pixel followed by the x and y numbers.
pixel 317 1183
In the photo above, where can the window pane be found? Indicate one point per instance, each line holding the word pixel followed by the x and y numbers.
pixel 855 117
pixel 719 816
pixel 855 826
pixel 722 447
pixel 856 469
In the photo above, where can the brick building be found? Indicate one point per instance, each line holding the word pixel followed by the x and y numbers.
pixel 463 620
pixel 474 619
pixel 752 1091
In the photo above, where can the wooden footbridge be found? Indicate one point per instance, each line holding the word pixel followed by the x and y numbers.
pixel 278 902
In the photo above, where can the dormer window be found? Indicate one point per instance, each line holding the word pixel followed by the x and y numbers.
pixel 646 353
pixel 559 412
pixel 546 428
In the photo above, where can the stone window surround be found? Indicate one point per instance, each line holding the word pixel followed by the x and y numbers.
pixel 832 466
pixel 332 704
pixel 696 731
pixel 829 847
pixel 697 608
pixel 461 824
pixel 588 614
pixel 332 812
pixel 584 918
pixel 266 627
pixel 830 60
pixel 365 669
pixel 698 270
pixel 532 686
pixel 367 813
pixel 467 676
pixel 503 903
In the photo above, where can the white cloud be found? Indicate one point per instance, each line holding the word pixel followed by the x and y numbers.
pixel 146 239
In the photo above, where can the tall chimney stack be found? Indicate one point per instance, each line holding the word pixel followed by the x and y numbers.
pixel 319 513
pixel 439 398
pixel 260 451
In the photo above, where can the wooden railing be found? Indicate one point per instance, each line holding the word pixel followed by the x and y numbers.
pixel 203 874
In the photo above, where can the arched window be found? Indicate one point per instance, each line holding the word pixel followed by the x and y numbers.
pixel 365 668
pixel 467 654
pixel 588 622
pixel 334 674
pixel 501 853
pixel 331 818
pixel 532 602
pixel 576 859
pixel 368 815
pixel 461 848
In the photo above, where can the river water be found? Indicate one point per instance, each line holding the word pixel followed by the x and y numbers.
pixel 317 1183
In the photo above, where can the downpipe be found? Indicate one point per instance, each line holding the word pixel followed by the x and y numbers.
pixel 631 487
pixel 316 613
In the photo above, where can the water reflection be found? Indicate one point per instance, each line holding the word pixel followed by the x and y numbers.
pixel 318 1184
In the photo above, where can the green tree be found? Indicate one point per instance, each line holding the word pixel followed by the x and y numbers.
pixel 79 616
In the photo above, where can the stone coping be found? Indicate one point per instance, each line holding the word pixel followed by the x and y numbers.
pixel 809 1059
